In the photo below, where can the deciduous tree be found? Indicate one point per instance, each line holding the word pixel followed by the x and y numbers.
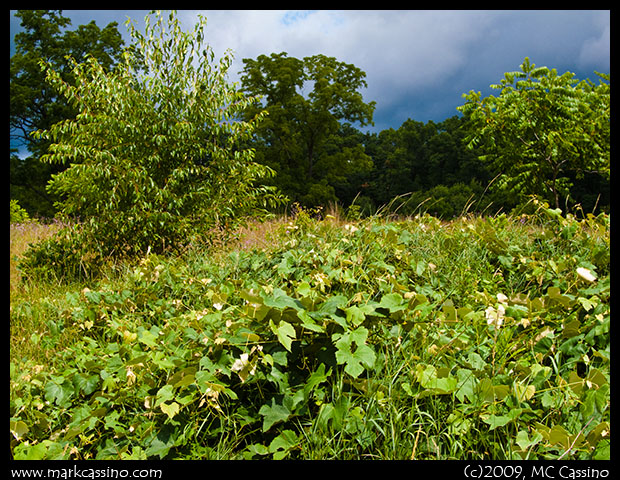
pixel 542 131
pixel 34 105
pixel 309 102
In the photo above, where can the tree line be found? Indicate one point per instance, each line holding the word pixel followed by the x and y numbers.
pixel 545 134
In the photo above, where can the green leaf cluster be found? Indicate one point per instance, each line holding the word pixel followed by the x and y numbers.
pixel 307 136
pixel 34 106
pixel 17 213
pixel 543 132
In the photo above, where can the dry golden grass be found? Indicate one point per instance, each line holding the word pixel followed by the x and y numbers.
pixel 22 235
pixel 263 234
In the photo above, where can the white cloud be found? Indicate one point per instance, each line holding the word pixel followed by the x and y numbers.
pixel 414 56
pixel 400 51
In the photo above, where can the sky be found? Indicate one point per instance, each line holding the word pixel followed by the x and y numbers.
pixel 418 63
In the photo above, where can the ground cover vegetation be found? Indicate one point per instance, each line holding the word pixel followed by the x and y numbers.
pixel 168 313
pixel 475 338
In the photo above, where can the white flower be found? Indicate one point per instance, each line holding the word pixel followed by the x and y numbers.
pixel 495 317
pixel 240 363
pixel 501 298
pixel 243 367
pixel 586 274
pixel 131 377
pixel 351 228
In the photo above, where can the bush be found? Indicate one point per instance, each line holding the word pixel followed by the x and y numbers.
pixel 157 156
pixel 61 258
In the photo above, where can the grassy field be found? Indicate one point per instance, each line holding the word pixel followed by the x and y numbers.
pixel 477 338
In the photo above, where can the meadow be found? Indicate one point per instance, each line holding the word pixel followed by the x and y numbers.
pixel 331 338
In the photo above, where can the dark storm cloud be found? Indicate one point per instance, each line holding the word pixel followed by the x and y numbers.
pixel 418 63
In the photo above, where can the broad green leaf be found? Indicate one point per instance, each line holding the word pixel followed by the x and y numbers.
pixel 318 376
pixel 274 413
pixel 466 383
pixel 308 322
pixel 165 394
pixel 162 443
pixel 19 429
pixel 333 303
pixel 495 421
pixel 598 433
pixel 558 435
pixel 170 409
pixel 88 384
pixel 393 302
pixel 256 449
pixel 37 451
pixel 147 338
pixel 285 333
pixel 603 450
pixel 280 300
pixel 420 267
pixel 250 297
pixel 353 352
pixel 281 445
pixel 487 392
pixel 354 315
pixel 428 377
pixel 303 289
pixel 476 361
pixel 524 392
pixel 587 304
pixel 595 401
pixel 525 442
pixel 450 312
pixel 327 413
pixel 59 391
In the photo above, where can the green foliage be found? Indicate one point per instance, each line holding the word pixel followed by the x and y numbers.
pixel 65 257
pixel 479 338
pixel 34 106
pixel 429 166
pixel 18 214
pixel 156 159
pixel 543 131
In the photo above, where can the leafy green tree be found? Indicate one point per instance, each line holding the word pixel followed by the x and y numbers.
pixel 34 105
pixel 543 131
pixel 155 155
pixel 309 103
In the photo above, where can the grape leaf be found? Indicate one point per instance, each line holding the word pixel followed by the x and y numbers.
pixel 285 332
pixel 354 358
pixel 170 409
pixel 275 413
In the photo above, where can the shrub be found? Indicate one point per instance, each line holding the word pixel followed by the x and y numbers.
pixel 61 258
pixel 157 155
